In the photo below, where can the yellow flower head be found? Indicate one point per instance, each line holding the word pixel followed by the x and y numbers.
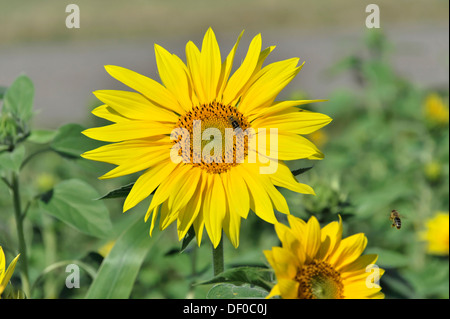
pixel 316 263
pixel 435 109
pixel 436 234
pixel 174 133
pixel 5 276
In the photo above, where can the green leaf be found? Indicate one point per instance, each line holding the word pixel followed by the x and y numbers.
pixel 11 161
pixel 188 238
pixel 117 274
pixel 119 192
pixel 42 136
pixel 18 98
pixel 230 291
pixel 70 142
pixel 72 201
pixel 301 170
pixel 244 275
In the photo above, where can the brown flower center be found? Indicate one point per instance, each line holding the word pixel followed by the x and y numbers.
pixel 319 280
pixel 217 140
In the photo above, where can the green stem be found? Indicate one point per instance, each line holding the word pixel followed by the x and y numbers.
pixel 20 234
pixel 218 264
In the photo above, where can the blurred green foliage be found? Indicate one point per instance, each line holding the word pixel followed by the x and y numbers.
pixel 381 153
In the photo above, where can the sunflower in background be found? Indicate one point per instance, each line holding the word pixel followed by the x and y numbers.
pixel 436 112
pixel 436 234
pixel 206 195
pixel 5 275
pixel 316 263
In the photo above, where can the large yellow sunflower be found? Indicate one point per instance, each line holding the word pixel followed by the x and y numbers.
pixel 195 98
pixel 316 263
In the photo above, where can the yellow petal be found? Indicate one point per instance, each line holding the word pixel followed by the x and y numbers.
pixel 193 63
pixel 288 288
pixel 292 146
pixel 137 164
pixel 348 251
pixel 170 186
pixel 260 201
pixel 135 106
pixel 275 291
pixel 187 216
pixel 271 80
pixel 215 210
pixel 127 131
pixel 148 87
pixel 148 182
pixel 210 65
pixel 231 226
pixel 226 67
pixel 9 272
pixel 283 177
pixel 237 193
pixel 299 122
pixel 244 72
pixel 312 236
pixel 279 108
pixel 120 153
pixel 174 75
pixel 108 113
pixel 331 237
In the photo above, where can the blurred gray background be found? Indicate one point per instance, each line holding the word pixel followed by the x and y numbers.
pixel 66 65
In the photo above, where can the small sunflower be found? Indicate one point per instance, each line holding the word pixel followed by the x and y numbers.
pixel 198 98
pixel 5 275
pixel 435 109
pixel 316 263
pixel 436 234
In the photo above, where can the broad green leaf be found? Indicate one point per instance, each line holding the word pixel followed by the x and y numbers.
pixel 244 275
pixel 11 161
pixel 230 291
pixel 69 141
pixel 42 136
pixel 119 192
pixel 18 98
pixel 73 202
pixel 117 274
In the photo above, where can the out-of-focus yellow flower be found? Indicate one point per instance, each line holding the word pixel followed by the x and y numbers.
pixel 319 138
pixel 45 182
pixel 433 170
pixel 435 109
pixel 436 233
pixel 316 263
pixel 5 276
pixel 106 248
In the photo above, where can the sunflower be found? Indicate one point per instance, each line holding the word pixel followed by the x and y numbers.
pixel 5 276
pixel 189 184
pixel 316 263
pixel 436 234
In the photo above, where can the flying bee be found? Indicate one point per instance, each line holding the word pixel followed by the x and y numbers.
pixel 233 122
pixel 395 218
